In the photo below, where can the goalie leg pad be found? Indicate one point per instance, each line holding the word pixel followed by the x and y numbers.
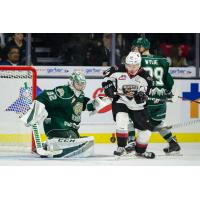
pixel 59 132
pixel 80 147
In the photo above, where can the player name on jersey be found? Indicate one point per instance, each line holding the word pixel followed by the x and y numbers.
pixel 151 62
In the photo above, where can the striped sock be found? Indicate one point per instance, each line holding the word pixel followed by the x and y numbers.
pixel 140 148
pixel 166 134
pixel 122 139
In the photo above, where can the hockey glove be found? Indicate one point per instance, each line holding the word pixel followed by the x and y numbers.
pixel 140 97
pixel 168 94
pixel 109 89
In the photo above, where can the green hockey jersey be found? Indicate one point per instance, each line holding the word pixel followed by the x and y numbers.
pixel 158 67
pixel 62 102
pixel 64 109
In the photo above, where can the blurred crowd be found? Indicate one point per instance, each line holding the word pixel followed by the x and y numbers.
pixel 12 49
pixel 88 49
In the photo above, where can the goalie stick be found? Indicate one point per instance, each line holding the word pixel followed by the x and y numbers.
pixel 38 142
pixel 36 134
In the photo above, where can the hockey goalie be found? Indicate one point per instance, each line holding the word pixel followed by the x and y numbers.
pixel 60 112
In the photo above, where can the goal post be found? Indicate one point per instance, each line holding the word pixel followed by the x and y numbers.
pixel 18 85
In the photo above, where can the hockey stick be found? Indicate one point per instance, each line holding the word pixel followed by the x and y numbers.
pixel 163 100
pixel 38 142
pixel 174 126
pixel 149 98
pixel 183 98
pixel 180 125
pixel 35 128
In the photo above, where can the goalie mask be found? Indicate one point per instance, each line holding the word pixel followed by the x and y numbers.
pixel 78 80
pixel 133 62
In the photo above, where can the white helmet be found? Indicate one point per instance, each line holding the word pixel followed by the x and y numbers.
pixel 77 80
pixel 133 58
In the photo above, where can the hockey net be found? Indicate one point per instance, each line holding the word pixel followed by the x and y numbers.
pixel 18 89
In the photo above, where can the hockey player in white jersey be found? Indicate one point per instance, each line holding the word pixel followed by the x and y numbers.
pixel 129 87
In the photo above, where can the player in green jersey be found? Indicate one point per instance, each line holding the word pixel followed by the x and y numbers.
pixel 64 105
pixel 60 111
pixel 158 67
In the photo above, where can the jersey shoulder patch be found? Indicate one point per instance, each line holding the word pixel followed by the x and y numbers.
pixel 63 91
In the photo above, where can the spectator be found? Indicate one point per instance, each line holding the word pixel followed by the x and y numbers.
pixel 19 41
pixel 106 53
pixel 177 58
pixel 13 57
pixel 2 45
pixel 73 50
pixel 2 41
pixel 101 53
pixel 122 49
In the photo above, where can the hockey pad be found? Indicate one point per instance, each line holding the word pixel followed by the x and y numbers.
pixel 122 121
pixel 35 115
pixel 143 137
pixel 76 148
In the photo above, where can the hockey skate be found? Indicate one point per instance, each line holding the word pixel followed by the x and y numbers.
pixel 120 151
pixel 130 147
pixel 148 155
pixel 173 147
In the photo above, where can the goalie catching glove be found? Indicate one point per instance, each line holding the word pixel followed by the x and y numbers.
pixel 101 105
pixel 35 115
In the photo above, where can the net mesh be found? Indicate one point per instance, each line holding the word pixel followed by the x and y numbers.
pixel 17 92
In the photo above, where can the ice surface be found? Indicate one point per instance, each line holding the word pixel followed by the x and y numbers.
pixel 103 155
